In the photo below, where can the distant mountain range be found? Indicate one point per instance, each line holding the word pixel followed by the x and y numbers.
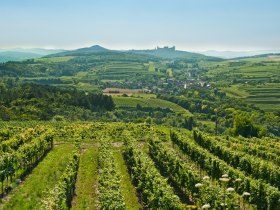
pixel 81 51
pixel 172 53
pixel 237 54
pixel 19 54
pixel 165 53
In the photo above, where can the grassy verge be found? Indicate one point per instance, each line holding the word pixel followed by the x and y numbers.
pixel 127 188
pixel 44 176
pixel 86 195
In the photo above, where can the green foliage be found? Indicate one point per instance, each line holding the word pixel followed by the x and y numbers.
pixel 127 188
pixel 110 196
pixel 60 196
pixel 36 102
pixel 244 126
pixel 154 190
pixel 142 103
pixel 184 175
pixel 251 165
pixel 255 80
pixel 154 163
pixel 85 196
pixel 259 191
pixel 44 176
pixel 20 153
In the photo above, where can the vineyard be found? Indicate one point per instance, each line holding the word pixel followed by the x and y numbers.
pixel 134 166
pixel 133 102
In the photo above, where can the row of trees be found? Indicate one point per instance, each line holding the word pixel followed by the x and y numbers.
pixel 264 196
pixel 110 196
pixel 60 196
pixel 232 116
pixel 265 148
pixel 155 192
pixel 18 161
pixel 57 95
pixel 13 143
pixel 38 102
pixel 252 166
pixel 186 177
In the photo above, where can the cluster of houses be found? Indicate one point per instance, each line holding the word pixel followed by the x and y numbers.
pixel 165 86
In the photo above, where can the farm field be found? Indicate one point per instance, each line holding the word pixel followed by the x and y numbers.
pixel 120 71
pixel 254 79
pixel 265 96
pixel 245 70
pixel 140 166
pixel 54 59
pixel 121 91
pixel 132 102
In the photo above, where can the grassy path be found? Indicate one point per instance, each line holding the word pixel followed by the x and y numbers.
pixel 127 188
pixel 86 194
pixel 44 176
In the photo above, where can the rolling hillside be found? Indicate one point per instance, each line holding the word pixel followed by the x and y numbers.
pixel 23 54
pixel 163 53
pixel 96 68
pixel 255 79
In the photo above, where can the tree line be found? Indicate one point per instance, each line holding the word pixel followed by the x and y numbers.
pixel 40 102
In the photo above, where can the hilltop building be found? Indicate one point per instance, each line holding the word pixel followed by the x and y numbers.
pixel 166 48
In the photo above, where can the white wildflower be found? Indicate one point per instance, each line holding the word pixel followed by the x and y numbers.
pixel 206 206
pixel 230 189
pixel 246 194
pixel 198 185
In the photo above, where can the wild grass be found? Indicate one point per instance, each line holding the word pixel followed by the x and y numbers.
pixel 127 188
pixel 86 192
pixel 43 177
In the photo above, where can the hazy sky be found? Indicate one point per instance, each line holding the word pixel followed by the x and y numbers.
pixel 140 24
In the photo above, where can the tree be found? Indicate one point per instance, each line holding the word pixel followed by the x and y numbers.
pixel 244 126
pixel 188 123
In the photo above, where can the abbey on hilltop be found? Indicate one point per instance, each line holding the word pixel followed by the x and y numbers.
pixel 166 48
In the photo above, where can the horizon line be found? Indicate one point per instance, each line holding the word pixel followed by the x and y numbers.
pixel 133 48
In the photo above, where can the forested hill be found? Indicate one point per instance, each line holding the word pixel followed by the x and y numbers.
pixel 172 53
pixel 162 53
pixel 81 51
pixel 70 63
pixel 38 102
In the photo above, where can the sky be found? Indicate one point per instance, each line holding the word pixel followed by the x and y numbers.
pixel 192 25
